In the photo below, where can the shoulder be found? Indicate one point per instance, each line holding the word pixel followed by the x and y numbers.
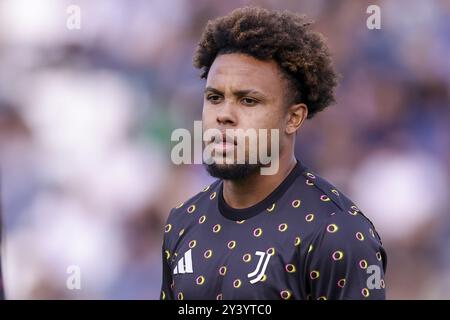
pixel 341 226
pixel 340 209
pixel 181 214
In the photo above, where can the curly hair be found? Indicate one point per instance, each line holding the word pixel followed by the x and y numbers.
pixel 284 37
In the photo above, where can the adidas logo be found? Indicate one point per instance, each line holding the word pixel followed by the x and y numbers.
pixel 184 264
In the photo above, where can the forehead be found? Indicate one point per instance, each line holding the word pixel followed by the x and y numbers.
pixel 240 71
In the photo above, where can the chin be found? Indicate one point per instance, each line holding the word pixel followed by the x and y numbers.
pixel 232 171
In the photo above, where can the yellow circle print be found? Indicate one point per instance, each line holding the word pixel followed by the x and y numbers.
pixel 200 280
pixel 191 208
pixel 192 244
pixel 231 244
pixel 332 228
pixel 216 228
pixel 314 274
pixel 296 203
pixel 290 268
pixel 257 232
pixel 285 294
pixel 208 254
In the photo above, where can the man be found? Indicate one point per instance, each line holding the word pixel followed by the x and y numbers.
pixel 289 235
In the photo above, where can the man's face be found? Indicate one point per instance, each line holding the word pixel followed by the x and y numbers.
pixel 242 93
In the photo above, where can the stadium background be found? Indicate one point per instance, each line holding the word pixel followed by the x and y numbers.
pixel 86 117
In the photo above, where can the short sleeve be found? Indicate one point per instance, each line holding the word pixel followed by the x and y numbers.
pixel 346 260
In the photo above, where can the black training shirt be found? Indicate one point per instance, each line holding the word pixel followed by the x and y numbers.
pixel 306 240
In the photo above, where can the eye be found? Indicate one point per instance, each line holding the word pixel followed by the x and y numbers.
pixel 249 101
pixel 214 98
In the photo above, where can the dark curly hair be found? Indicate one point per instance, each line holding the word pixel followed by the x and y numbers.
pixel 284 37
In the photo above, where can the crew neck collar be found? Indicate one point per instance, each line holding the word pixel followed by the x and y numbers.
pixel 249 212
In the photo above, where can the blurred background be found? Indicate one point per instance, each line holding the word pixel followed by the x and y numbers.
pixel 86 117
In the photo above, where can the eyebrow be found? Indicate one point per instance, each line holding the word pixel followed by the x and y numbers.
pixel 237 93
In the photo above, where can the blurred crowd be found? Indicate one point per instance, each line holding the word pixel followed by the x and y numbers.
pixel 86 117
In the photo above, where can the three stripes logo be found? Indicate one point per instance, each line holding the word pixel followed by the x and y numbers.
pixel 258 273
pixel 184 264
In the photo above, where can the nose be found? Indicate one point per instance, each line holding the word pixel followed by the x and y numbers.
pixel 226 114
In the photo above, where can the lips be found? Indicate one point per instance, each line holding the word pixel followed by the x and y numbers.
pixel 225 145
pixel 226 139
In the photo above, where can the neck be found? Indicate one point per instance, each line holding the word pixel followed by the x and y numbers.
pixel 255 188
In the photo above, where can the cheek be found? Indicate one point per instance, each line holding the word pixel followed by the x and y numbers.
pixel 259 118
pixel 272 128
pixel 208 116
pixel 266 120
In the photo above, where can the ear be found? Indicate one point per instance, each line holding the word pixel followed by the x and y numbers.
pixel 296 114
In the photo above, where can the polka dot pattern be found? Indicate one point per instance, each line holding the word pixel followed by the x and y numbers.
pixel 312 228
